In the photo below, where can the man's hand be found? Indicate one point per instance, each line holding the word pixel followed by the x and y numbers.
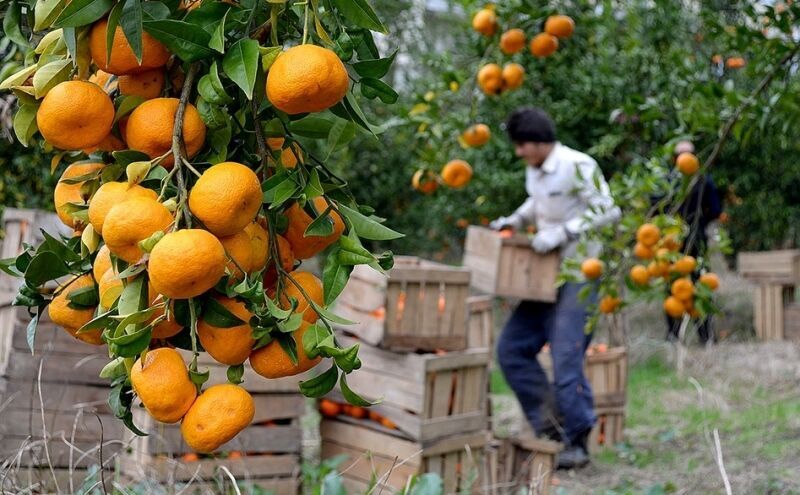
pixel 513 222
pixel 550 239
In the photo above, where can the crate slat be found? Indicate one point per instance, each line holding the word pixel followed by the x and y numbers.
pixel 791 322
pixel 768 303
pixel 508 267
pixel 780 267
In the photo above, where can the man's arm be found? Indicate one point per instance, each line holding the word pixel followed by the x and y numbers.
pixel 522 216
pixel 593 189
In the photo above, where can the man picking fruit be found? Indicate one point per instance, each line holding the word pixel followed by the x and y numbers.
pixel 567 196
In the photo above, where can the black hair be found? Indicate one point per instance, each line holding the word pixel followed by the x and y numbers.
pixel 530 125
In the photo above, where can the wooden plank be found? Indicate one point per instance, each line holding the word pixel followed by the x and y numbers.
pixel 79 425
pixel 31 452
pixel 24 395
pixel 223 485
pixel 774 267
pixel 32 479
pixel 791 322
pixel 367 439
pixel 363 464
pixel 163 468
pixel 278 439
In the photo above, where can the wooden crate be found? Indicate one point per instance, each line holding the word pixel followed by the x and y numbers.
pixel 458 459
pixel 480 322
pixel 508 267
pixel 768 310
pixel 609 428
pixel 428 396
pixel 771 267
pixel 525 462
pixel 791 322
pixel 270 448
pixel 418 305
pixel 607 373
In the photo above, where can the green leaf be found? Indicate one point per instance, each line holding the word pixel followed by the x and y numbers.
pixel 133 297
pixel 375 68
pixel 277 312
pixel 114 369
pixel 360 13
pixel 82 12
pixel 288 345
pixel 218 36
pixel 199 377
pixel 98 322
pixel 366 227
pixel 313 337
pixel 341 133
pixel 30 330
pixel 49 75
pixel 25 123
pixel 320 385
pixel 214 116
pixel 11 23
pixel 375 88
pixel 187 41
pixel 324 313
pixel 45 12
pixel 125 158
pixel 211 88
pixel 235 374
pixel 349 109
pixel 85 297
pixel 347 360
pixel 428 484
pixel 131 22
pixel 71 40
pixel 131 345
pixel 311 127
pixel 334 277
pixel 44 267
pixel 269 55
pixel 281 193
pixel 18 78
pixel 217 315
pixel 154 11
pixel 321 226
pixel 111 27
pixel 314 187
pixel 241 65
pixel 291 324
pixel 352 397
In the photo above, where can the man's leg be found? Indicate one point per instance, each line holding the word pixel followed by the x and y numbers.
pixel 522 338
pixel 568 342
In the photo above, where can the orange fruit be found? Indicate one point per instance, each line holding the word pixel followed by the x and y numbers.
pixel 687 163
pixel 388 423
pixel 424 181
pixel 232 345
pixel 111 194
pixel 671 242
pixel 306 247
pixel 71 193
pixel 685 265
pixel 658 269
pixel 724 218
pixel 710 280
pixel 109 288
pixel 456 174
pixel 108 144
pixel 312 286
pixel 357 412
pixel 513 76
pixel 648 234
pixel 75 115
pixel 226 198
pixel 490 79
pixel 329 409
pixel 101 78
pixel 289 156
pixel 682 289
pixel 102 262
pixel 374 416
pixel 239 249
pixel 592 268
pixel 485 22
pixel 735 62
pixel 609 304
pixel 162 383
pixel 259 246
pixel 149 129
pixel 131 222
pixel 122 60
pixel 306 78
pixel 71 319
pixel 148 84
pixel 717 59
pixel 512 41
pixel 218 415
pixel 674 307
pixel 640 275
pixel 476 135
pixel 560 26
pixel 543 45
pixel 643 252
pixel 286 257
pixel 271 361
pixel 186 263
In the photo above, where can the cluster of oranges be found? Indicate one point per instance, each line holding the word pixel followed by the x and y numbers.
pixel 661 252
pixel 494 79
pixel 730 62
pixel 456 174
pixel 213 233
pixel 331 409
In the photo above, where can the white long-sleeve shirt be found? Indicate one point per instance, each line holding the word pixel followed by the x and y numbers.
pixel 567 190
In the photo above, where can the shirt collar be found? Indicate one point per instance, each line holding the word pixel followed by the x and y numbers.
pixel 551 162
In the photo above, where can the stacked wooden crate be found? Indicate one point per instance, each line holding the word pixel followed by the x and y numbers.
pixel 606 369
pixel 521 465
pixel 425 351
pixel 776 274
pixel 54 413
pixel 266 455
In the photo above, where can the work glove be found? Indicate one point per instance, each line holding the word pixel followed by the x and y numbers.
pixel 513 222
pixel 549 239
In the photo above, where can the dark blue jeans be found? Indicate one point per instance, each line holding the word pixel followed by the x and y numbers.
pixel 562 325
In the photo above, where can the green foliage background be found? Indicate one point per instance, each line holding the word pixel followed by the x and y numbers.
pixel 635 77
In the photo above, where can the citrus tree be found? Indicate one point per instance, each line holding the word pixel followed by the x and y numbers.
pixel 185 132
pixel 625 83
